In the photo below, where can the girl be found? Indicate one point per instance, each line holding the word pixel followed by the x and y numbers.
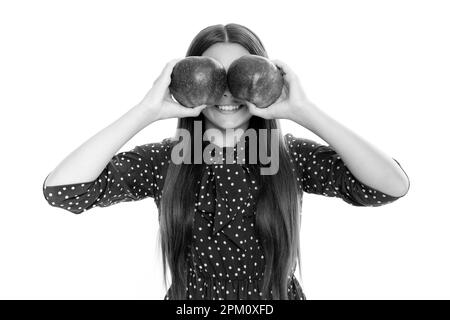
pixel 227 231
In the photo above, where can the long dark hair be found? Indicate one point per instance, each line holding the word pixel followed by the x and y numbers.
pixel 278 206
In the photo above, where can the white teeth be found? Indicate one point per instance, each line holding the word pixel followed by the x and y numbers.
pixel 228 108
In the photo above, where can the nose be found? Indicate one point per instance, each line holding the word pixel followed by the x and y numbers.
pixel 227 93
pixel 228 98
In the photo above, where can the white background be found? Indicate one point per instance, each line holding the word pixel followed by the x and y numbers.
pixel 69 69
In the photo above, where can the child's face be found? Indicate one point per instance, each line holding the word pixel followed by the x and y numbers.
pixel 226 53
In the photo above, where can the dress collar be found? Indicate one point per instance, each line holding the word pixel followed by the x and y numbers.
pixel 238 152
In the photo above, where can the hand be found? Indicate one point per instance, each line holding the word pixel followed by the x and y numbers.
pixel 292 104
pixel 158 102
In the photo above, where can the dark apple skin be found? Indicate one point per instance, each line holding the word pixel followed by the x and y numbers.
pixel 198 80
pixel 255 79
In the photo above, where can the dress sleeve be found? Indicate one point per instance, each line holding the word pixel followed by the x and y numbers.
pixel 129 176
pixel 320 170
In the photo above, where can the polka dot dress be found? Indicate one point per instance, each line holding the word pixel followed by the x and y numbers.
pixel 226 259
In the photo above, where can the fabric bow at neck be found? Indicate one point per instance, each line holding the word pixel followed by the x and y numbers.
pixel 227 185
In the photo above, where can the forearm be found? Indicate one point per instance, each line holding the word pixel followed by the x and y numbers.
pixel 86 162
pixel 367 163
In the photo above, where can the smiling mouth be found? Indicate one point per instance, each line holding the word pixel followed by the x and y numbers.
pixel 229 108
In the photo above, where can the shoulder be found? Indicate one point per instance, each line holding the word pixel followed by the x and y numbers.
pixel 296 144
pixel 157 150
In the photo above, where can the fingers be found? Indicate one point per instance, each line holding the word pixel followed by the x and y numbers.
pixel 282 65
pixel 289 74
pixel 259 112
pixel 199 109
pixel 293 85
pixel 286 91
pixel 164 78
pixel 192 112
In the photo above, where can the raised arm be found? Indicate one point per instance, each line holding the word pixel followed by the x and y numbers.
pixel 94 175
pixel 365 162
pixel 87 161
pixel 321 170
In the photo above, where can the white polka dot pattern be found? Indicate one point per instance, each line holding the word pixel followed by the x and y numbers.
pixel 129 176
pixel 227 259
pixel 320 170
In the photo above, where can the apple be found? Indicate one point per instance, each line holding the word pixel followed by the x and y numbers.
pixel 255 79
pixel 198 80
